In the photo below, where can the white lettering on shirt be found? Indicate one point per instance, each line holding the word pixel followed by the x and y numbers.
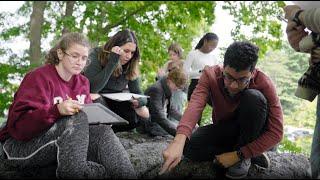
pixel 59 99
pixel 81 98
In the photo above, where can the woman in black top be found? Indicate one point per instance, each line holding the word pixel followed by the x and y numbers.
pixel 114 67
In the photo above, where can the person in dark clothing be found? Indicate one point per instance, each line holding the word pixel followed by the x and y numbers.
pixel 114 67
pixel 164 117
pixel 46 126
pixel 247 115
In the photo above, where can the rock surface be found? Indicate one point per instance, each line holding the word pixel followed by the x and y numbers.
pixel 146 156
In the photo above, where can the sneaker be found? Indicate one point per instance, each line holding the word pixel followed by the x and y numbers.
pixel 239 170
pixel 262 161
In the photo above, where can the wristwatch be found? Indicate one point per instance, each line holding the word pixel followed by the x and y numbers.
pixel 240 155
pixel 296 18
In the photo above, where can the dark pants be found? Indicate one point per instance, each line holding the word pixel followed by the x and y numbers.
pixel 191 87
pixel 229 135
pixel 123 109
pixel 79 150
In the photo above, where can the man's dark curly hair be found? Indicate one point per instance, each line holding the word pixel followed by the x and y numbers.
pixel 241 56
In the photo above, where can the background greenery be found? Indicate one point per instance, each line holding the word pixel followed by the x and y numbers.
pixel 157 24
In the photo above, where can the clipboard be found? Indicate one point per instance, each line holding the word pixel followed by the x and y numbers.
pixel 123 96
pixel 99 114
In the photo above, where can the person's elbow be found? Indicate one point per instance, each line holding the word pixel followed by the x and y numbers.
pixel 20 134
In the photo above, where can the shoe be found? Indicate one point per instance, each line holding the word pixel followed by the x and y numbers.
pixel 262 161
pixel 239 170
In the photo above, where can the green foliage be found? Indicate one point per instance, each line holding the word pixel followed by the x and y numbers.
pixel 304 115
pixel 206 116
pixel 260 17
pixel 305 144
pixel 285 67
pixel 286 146
pixel 2 120
pixel 156 24
pixel 10 72
pixel 301 145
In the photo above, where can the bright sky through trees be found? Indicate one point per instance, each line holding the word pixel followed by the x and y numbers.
pixel 222 27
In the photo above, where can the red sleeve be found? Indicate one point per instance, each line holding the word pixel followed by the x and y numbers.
pixel 195 106
pixel 274 130
pixel 32 111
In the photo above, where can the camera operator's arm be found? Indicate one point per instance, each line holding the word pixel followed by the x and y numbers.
pixel 295 31
pixel 309 18
pixel 298 20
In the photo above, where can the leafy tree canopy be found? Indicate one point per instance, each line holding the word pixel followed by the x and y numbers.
pixel 156 23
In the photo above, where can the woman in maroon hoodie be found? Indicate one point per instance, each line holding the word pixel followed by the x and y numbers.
pixel 45 125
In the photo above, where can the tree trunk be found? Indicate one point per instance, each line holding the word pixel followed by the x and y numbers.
pixel 69 11
pixel 36 22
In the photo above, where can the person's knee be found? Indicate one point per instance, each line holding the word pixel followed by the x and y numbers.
pixel 252 98
pixel 143 112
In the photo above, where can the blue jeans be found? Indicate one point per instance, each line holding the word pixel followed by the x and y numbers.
pixel 315 148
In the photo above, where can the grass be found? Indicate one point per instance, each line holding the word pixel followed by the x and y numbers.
pixel 2 119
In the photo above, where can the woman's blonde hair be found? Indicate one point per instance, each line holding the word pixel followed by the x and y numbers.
pixel 119 39
pixel 65 42
pixel 175 47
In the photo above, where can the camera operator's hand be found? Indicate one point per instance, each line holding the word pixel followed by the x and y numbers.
pixel 290 11
pixel 295 34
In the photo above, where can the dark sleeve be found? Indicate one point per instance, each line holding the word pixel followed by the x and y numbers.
pixel 157 111
pixel 175 113
pixel 98 75
pixel 134 87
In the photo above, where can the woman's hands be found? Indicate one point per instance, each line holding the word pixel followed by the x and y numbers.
pixel 69 107
pixel 117 50
pixel 94 96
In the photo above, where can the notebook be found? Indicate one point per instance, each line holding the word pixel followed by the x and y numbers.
pixel 99 114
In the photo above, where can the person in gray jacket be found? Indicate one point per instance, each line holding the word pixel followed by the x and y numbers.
pixel 159 103
pixel 113 68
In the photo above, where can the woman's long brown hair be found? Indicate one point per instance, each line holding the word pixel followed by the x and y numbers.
pixel 119 39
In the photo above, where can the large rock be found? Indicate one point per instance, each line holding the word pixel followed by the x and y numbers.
pixel 146 156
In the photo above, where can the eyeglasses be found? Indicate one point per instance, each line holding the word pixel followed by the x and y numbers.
pixel 241 81
pixel 75 58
